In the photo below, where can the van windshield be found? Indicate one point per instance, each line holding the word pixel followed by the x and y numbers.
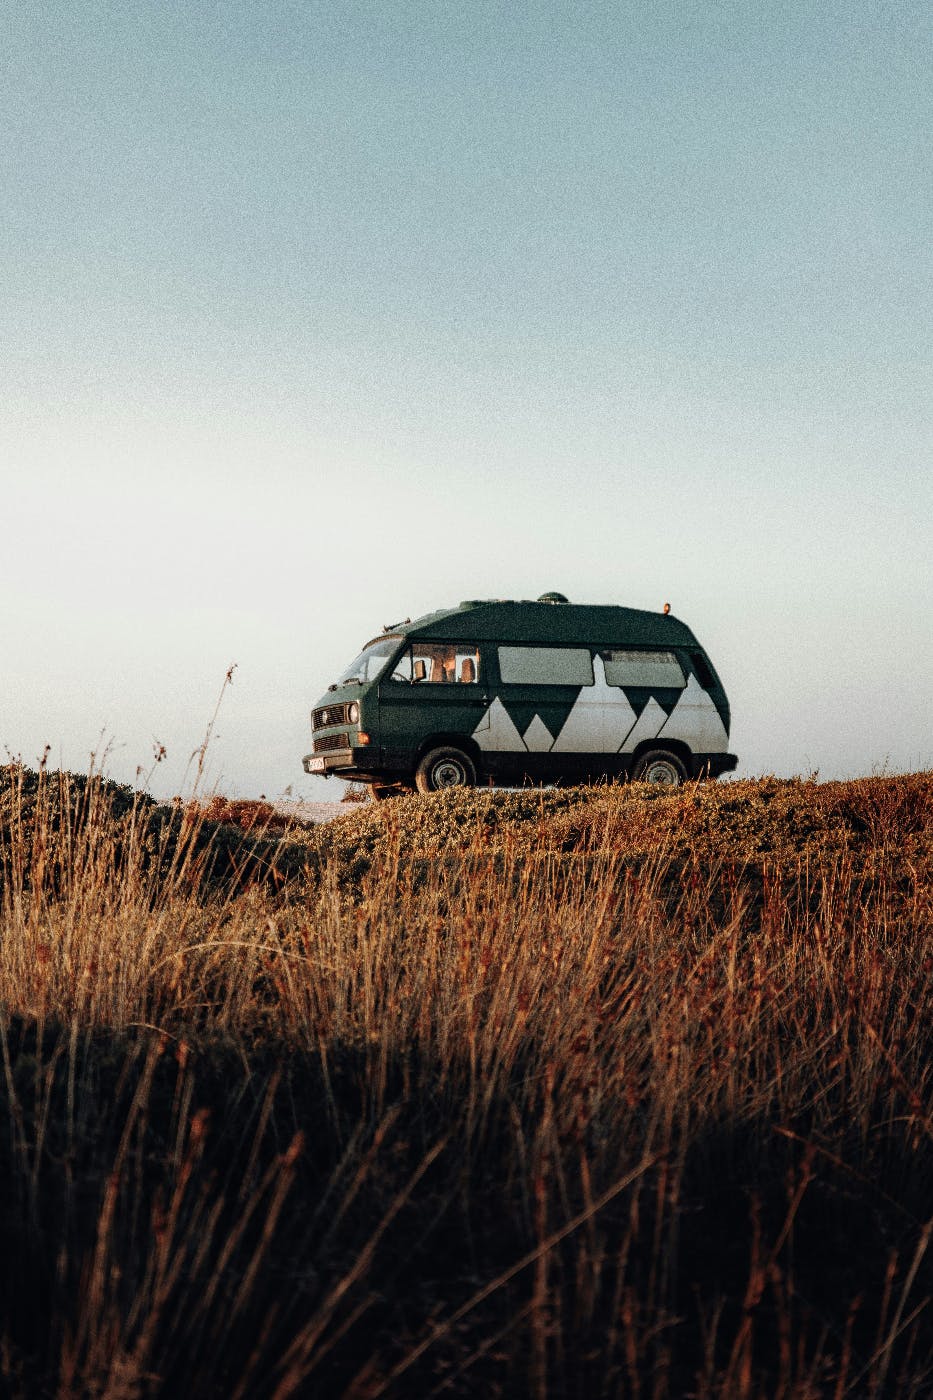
pixel 370 661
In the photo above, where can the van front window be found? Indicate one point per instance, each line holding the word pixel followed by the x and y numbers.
pixel 436 663
pixel 370 661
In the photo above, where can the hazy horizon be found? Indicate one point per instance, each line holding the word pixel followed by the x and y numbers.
pixel 316 317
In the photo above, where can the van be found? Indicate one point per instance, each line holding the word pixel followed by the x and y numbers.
pixel 524 692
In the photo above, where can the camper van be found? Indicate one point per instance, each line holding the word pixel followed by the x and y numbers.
pixel 509 693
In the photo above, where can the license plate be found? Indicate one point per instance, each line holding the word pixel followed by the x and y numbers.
pixel 316 765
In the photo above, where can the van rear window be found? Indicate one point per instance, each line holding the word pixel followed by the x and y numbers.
pixel 655 670
pixel 545 666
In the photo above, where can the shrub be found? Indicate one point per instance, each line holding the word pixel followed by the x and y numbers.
pixel 570 1092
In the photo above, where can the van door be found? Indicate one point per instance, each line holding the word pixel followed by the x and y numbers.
pixel 533 693
pixel 433 688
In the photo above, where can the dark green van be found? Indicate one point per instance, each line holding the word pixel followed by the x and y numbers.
pixel 509 693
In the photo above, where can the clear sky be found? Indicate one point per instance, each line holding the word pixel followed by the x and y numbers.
pixel 318 315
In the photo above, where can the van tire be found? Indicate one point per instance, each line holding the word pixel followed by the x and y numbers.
pixel 445 768
pixel 659 766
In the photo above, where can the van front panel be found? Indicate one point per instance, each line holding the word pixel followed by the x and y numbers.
pixel 432 689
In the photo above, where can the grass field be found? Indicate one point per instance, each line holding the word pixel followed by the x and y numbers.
pixel 582 1093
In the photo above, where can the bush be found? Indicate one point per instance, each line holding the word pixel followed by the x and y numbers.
pixel 579 1092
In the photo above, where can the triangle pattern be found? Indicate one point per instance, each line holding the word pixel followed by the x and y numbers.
pixel 696 721
pixel 649 722
pixel 600 719
pixel 538 738
pixel 497 732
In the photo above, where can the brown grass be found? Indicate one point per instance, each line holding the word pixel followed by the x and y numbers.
pixel 589 1093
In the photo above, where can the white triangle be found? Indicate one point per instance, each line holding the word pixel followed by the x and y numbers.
pixel 696 721
pixel 496 730
pixel 600 719
pixel 646 726
pixel 538 738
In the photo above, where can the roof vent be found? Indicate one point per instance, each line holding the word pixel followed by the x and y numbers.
pixel 553 598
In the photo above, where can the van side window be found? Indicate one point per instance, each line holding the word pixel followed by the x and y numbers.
pixel 545 666
pixel 432 663
pixel 655 670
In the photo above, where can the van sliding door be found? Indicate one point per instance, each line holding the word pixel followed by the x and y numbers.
pixel 532 699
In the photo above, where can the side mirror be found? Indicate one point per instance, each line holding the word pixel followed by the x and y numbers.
pixel 419 671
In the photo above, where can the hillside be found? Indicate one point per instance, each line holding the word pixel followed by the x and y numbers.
pixel 562 1093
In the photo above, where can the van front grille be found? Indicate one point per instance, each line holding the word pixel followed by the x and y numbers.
pixel 328 715
pixel 327 742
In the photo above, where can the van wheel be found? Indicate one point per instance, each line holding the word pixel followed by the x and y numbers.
pixel 445 768
pixel 661 767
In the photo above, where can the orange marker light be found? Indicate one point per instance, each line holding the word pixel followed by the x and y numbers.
pixel 667 608
pixel 362 737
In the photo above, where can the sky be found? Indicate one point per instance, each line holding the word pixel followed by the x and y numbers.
pixel 320 315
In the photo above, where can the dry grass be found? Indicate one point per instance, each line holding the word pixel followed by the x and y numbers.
pixel 588 1093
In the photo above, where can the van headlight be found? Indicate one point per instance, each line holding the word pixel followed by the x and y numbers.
pixel 353 712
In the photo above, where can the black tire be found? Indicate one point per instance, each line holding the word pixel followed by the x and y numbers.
pixel 660 766
pixel 445 768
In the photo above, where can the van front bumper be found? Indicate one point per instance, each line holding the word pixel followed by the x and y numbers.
pixel 342 761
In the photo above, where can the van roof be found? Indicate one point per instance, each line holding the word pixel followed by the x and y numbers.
pixel 585 623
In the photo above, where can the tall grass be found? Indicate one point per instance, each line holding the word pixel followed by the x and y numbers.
pixel 593 1093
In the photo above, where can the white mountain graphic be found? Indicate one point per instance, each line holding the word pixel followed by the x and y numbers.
pixel 646 726
pixel 696 721
pixel 600 719
pixel 496 730
pixel 538 738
